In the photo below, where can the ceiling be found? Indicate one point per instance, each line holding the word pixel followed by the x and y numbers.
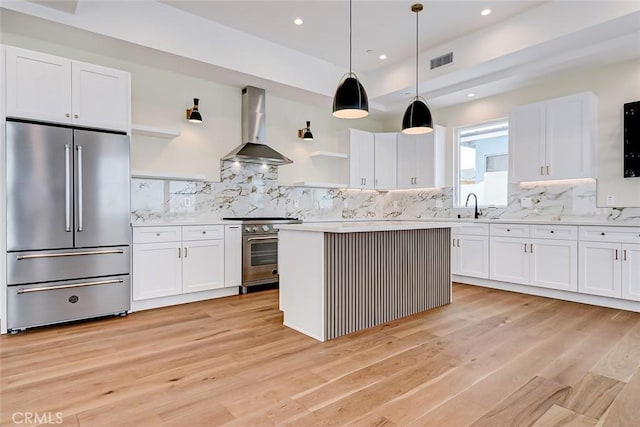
pixel 378 26
pixel 256 43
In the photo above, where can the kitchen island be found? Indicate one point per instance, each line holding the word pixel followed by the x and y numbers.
pixel 341 277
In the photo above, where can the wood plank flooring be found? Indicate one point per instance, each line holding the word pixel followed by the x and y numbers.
pixel 491 358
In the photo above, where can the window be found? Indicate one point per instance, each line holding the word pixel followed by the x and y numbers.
pixel 482 163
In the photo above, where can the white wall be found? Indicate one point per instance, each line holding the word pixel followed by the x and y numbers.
pixel 614 85
pixel 160 98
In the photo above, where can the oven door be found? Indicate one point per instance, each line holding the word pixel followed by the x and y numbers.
pixel 259 259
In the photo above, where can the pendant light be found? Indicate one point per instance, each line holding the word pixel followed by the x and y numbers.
pixel 350 100
pixel 417 119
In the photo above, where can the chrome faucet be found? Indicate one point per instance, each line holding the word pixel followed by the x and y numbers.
pixel 475 209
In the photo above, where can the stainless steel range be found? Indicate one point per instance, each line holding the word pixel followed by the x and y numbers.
pixel 260 249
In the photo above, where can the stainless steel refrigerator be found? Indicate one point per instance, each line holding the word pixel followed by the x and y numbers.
pixel 68 224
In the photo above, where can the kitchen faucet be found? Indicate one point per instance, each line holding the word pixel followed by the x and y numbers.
pixel 475 210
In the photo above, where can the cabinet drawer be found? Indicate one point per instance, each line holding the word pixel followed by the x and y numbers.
pixel 510 230
pixel 610 234
pixel 157 234
pixel 556 232
pixel 472 229
pixel 202 232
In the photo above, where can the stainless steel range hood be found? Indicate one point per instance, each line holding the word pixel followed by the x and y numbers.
pixel 253 130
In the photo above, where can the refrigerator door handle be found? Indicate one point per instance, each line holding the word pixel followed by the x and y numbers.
pixel 66 254
pixel 67 187
pixel 74 285
pixel 79 148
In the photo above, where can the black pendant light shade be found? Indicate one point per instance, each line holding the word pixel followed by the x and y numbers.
pixel 417 119
pixel 350 100
pixel 193 115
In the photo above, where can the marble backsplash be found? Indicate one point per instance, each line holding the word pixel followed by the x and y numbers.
pixel 252 190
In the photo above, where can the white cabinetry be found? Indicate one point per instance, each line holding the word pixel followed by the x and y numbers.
pixel 233 255
pixel 470 251
pixel 53 89
pixel 176 260
pixel 554 139
pixel 421 159
pixel 385 163
pixel 610 262
pixel 538 255
pixel 361 159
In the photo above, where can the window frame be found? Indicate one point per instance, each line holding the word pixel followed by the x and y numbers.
pixel 457 203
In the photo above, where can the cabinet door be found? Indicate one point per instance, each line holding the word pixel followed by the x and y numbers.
pixel 361 159
pixel 385 160
pixel 473 256
pixel 569 146
pixel 38 86
pixel 157 270
pixel 203 265
pixel 554 264
pixel 600 269
pixel 631 272
pixel 430 158
pixel 407 163
pixel 101 97
pixel 509 260
pixel 526 143
pixel 232 256
pixel 455 259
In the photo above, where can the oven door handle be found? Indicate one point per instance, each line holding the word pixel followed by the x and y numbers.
pixel 250 239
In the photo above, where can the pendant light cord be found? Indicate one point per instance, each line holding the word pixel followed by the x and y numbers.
pixel 417 11
pixel 350 31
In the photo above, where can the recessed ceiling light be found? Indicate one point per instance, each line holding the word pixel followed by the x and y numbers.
pixel 382 56
pixel 471 95
pixel 298 21
pixel 485 12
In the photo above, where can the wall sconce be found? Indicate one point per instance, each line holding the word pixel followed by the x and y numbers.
pixel 305 133
pixel 193 115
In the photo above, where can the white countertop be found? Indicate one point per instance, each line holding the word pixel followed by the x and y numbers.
pixel 362 226
pixel 183 222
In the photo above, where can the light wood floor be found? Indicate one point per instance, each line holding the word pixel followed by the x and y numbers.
pixel 491 358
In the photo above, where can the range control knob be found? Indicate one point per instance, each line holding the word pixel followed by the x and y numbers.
pixel 265 228
pixel 254 229
pixel 247 229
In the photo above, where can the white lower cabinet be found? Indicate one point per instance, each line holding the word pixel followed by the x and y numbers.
pixel 610 269
pixel 233 256
pixel 470 251
pixel 202 265
pixel 157 270
pixel 164 264
pixel 549 263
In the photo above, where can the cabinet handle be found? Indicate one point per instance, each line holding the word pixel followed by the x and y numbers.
pixel 204 232
pixel 548 170
pixel 525 248
pixel 158 234
pixel 458 242
pixel 365 181
pixel 531 247
pixel 541 170
pixel 186 252
pixel 602 234
pixel 179 253
pixel 508 229
pixel 624 255
pixel 551 231
pixel 454 242
pixel 233 228
pixel 67 115
pixel 75 116
pixel 616 254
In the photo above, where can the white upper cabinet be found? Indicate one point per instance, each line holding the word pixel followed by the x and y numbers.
pixel 53 89
pixel 38 86
pixel 100 96
pixel 361 159
pixel 554 139
pixel 385 160
pixel 421 159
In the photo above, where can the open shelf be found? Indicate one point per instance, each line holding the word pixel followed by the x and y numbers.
pixel 168 176
pixel 320 184
pixel 329 154
pixel 157 132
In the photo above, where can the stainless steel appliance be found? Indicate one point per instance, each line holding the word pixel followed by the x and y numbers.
pixel 260 249
pixel 68 224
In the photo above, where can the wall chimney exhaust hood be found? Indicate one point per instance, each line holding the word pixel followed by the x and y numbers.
pixel 253 150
